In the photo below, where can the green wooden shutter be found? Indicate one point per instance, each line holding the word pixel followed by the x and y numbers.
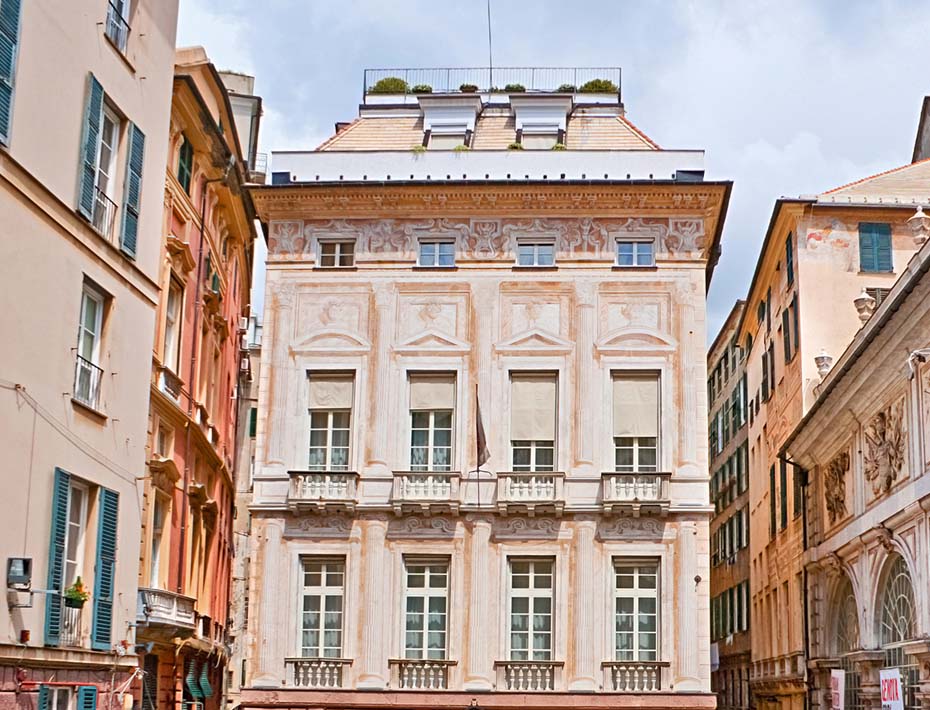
pixel 772 503
pixel 191 680
pixel 868 260
pixel 883 247
pixel 783 485
pixel 786 333
pixel 9 37
pixel 56 556
pixel 205 680
pixel 42 704
pixel 104 570
pixel 93 120
pixel 87 697
pixel 132 191
pixel 253 419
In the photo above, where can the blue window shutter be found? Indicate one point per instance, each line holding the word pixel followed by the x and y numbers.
pixel 56 556
pixel 87 697
pixel 43 698
pixel 191 680
pixel 132 191
pixel 883 247
pixel 93 120
pixel 104 570
pixel 9 36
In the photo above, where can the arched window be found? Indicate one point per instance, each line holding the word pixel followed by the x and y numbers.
pixel 846 622
pixel 897 605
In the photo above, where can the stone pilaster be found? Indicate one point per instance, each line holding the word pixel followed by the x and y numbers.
pixel 381 387
pixel 479 674
pixel 687 676
pixel 588 395
pixel 270 670
pixel 374 674
pixel 584 676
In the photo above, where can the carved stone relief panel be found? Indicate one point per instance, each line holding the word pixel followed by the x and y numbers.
pixel 885 448
pixel 310 526
pixel 435 320
pixel 634 321
pixel 834 485
pixel 332 318
pixel 631 529
pixel 533 318
pixel 417 527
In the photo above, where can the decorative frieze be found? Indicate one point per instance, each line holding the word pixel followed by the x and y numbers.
pixel 886 444
pixel 834 482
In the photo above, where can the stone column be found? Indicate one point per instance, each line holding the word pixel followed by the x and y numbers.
pixel 588 394
pixel 380 422
pixel 585 631
pixel 479 674
pixel 376 616
pixel 919 653
pixel 867 664
pixel 688 629
pixel 270 571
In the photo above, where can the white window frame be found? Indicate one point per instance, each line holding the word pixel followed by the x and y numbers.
pixel 172 343
pixel 531 593
pixel 535 244
pixel 534 446
pixel 431 446
pixel 324 591
pixel 437 244
pixel 636 253
pixel 328 448
pixel 426 593
pixel 91 294
pixel 457 132
pixel 78 528
pixel 107 172
pixel 339 247
pixel 157 540
pixel 636 447
pixel 636 593
pixel 60 698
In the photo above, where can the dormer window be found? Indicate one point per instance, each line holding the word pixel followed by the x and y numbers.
pixel 448 121
pixel 446 137
pixel 540 137
pixel 540 120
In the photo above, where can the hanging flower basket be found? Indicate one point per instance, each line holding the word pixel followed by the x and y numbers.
pixel 76 595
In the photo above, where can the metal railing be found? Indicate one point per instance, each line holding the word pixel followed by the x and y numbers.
pixel 72 620
pixel 117 29
pixel 322 488
pixel 634 676
pixel 449 79
pixel 420 674
pixel 529 676
pixel 315 672
pixel 104 214
pixel 87 377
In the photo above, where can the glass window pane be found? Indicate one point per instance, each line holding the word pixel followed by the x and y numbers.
pixel 546 255
pixel 419 420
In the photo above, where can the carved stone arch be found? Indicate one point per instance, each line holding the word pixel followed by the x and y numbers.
pixel 638 338
pixel 895 601
pixel 331 340
pixel 845 616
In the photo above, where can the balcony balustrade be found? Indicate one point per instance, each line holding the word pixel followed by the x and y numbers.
pixel 425 492
pixel 530 491
pixel 420 674
pixel 166 612
pixel 72 625
pixel 635 493
pixel 87 377
pixel 104 216
pixel 315 672
pixel 529 676
pixel 635 676
pixel 323 490
pixel 169 383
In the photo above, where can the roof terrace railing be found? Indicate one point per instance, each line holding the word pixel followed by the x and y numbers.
pixel 533 79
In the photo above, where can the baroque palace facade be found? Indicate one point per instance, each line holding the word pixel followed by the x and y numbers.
pixel 481 460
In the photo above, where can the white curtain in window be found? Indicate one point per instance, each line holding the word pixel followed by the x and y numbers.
pixel 636 405
pixel 432 392
pixel 331 391
pixel 532 408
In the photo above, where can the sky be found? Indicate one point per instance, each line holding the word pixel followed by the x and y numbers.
pixel 787 97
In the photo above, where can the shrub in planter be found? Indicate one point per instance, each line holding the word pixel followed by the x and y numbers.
pixel 515 88
pixel 419 148
pixel 598 86
pixel 494 90
pixel 389 85
pixel 461 148
pixel 468 88
pixel 566 89
pixel 558 146
pixel 422 89
pixel 515 146
pixel 76 594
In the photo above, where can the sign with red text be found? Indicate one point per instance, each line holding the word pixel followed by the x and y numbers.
pixel 892 695
pixel 837 689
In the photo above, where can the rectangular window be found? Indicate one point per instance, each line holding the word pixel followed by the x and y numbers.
pixel 765 375
pixel 768 310
pixel 446 140
pixel 87 374
pixel 744 540
pixel 532 421
pixel 798 480
pixel 337 254
pixel 786 334
pixel 150 682
pixel 322 601
pixel 773 523
pixel 117 27
pixel 432 403
pixel 76 531
pixel 531 604
pixel 783 488
pixel 636 422
pixel 636 602
pixel 789 258
pixel 539 140
pixel 173 325
pixel 530 253
pixel 635 253
pixel 331 398
pixel 437 254
pixel 185 164
pixel 105 180
pixel 879 294
pixel 160 508
pixel 425 608
pixel 772 366
pixel 875 247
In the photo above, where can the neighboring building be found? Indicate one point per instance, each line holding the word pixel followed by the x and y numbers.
pixel 922 141
pixel 481 469
pixel 85 90
pixel 866 443
pixel 729 528
pixel 188 503
pixel 823 258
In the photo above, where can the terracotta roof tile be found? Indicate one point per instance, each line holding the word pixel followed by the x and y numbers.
pixel 909 182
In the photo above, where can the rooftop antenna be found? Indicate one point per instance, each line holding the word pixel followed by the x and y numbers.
pixel 490 56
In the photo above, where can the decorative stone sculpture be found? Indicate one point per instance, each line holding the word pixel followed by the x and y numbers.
pixel 920 226
pixel 823 362
pixel 865 305
pixel 834 480
pixel 886 442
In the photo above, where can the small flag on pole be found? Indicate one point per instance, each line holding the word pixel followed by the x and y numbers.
pixel 481 440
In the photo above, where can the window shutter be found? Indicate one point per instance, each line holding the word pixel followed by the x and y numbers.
pixel 786 333
pixel 636 407
pixel 868 260
pixel 191 680
pixel 883 247
pixel 93 120
pixel 331 391
pixel 532 408
pixel 104 570
pixel 43 698
pixel 132 191
pixel 431 392
pixel 56 556
pixel 87 697
pixel 9 36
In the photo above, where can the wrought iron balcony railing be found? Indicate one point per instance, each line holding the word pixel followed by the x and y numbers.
pixel 87 377
pixel 530 491
pixel 425 491
pixel 117 29
pixel 420 674
pixel 529 676
pixel 315 672
pixel 104 215
pixel 635 492
pixel 538 79
pixel 635 676
pixel 72 625
pixel 322 490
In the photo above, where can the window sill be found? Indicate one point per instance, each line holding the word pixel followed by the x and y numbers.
pixel 650 267
pixel 120 53
pixel 418 267
pixel 335 268
pixel 869 272
pixel 87 409
pixel 520 267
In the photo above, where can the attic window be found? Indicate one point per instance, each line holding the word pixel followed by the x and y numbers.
pixel 541 140
pixel 446 141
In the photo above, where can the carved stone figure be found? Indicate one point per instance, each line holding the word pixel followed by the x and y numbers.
pixel 834 481
pixel 886 442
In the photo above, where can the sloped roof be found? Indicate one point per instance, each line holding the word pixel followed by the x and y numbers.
pixel 908 183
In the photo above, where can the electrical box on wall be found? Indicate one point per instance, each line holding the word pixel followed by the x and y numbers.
pixel 19 573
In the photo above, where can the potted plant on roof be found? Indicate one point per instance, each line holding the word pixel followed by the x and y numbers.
pixel 468 88
pixel 76 594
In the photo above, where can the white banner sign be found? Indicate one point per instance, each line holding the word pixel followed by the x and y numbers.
pixel 837 689
pixel 892 697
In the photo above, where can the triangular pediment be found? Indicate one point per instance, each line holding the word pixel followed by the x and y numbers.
pixel 638 338
pixel 432 340
pixel 535 340
pixel 332 340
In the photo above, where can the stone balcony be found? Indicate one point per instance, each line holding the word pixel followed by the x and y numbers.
pixel 635 676
pixel 529 676
pixel 322 491
pixel 787 667
pixel 635 493
pixel 530 492
pixel 315 673
pixel 165 614
pixel 425 492
pixel 420 674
